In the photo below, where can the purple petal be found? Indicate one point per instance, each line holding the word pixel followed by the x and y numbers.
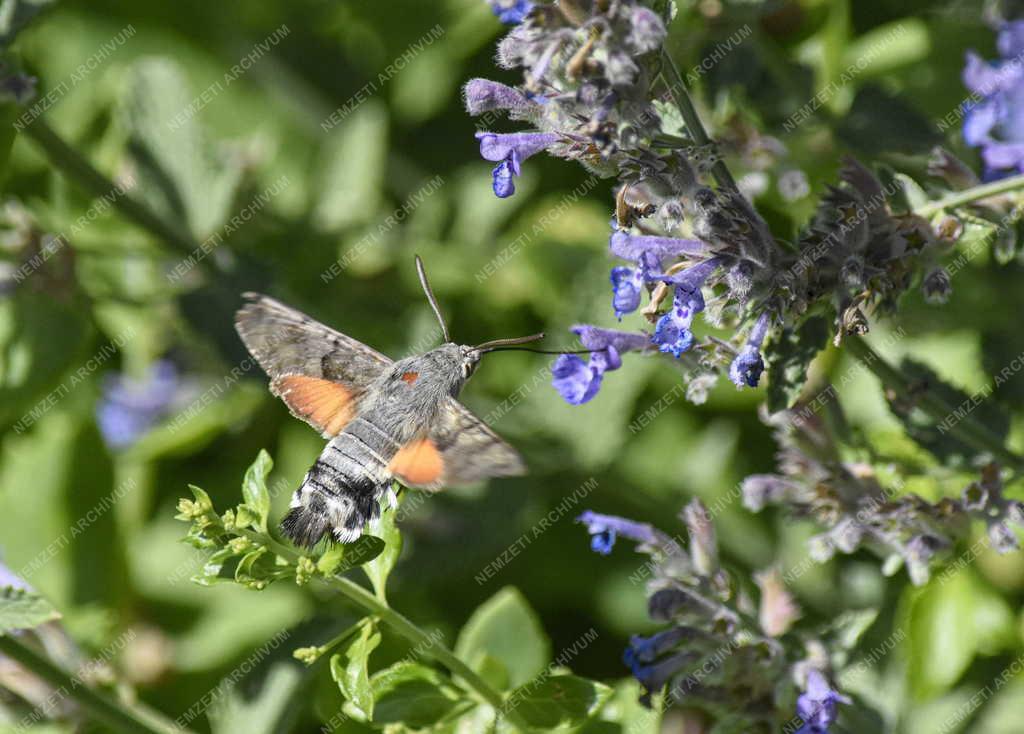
pixel 503 184
pixel 632 247
pixel 483 95
pixel 594 337
pixel 498 146
pixel 574 380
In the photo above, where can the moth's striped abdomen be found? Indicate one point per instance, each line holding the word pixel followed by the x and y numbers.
pixel 342 490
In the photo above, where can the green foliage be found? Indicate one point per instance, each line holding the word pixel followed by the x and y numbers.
pixel 23 609
pixel 350 669
pixel 137 113
pixel 504 641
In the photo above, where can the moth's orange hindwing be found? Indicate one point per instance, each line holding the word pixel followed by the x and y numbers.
pixel 326 404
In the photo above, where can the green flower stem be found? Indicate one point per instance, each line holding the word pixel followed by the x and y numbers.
pixel 693 124
pixel 408 629
pixel 969 196
pixel 967 429
pixel 72 163
pixel 103 709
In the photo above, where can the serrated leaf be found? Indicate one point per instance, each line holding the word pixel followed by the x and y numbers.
pixel 179 173
pixel 343 557
pixel 380 567
pixel 23 609
pixel 789 359
pixel 939 436
pixel 505 628
pixel 350 669
pixel 559 702
pixel 413 695
pixel 254 487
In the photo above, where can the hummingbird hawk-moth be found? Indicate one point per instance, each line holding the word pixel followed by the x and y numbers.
pixel 384 419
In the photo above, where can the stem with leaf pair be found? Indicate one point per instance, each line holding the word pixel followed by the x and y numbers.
pixel 117 716
pixel 408 629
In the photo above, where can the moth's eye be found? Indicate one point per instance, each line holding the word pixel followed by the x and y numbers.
pixel 467 368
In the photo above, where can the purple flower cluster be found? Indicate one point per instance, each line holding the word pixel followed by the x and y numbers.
pixel 995 122
pixel 711 652
pixel 130 406
pixel 578 381
pixel 817 706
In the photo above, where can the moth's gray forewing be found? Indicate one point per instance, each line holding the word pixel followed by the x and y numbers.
pixel 321 374
pixel 471 451
pixel 288 342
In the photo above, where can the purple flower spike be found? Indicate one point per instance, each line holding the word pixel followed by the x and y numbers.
pixel 633 247
pixel 483 95
pixel 817 706
pixel 511 12
pixel 510 150
pixel 746 369
pixel 604 529
pixel 995 123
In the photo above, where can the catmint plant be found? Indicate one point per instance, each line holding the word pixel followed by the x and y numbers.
pixel 721 650
pixel 596 89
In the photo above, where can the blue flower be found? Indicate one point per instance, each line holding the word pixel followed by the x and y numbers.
pixel 672 332
pixel 129 407
pixel 509 150
pixel 578 381
pixel 604 529
pixel 648 253
pixel 627 285
pixel 746 369
pixel 995 123
pixel 816 706
pixel 511 11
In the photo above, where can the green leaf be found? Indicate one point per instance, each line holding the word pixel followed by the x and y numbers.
pixel 940 436
pixel 266 711
pixel 789 360
pixel 413 695
pixel 179 173
pixel 23 609
pixel 505 628
pixel 949 622
pixel 344 557
pixel 380 567
pixel 354 163
pixel 887 46
pixel 558 701
pixel 350 669
pixel 254 487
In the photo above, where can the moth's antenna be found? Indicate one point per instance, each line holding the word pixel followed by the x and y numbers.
pixel 497 343
pixel 431 299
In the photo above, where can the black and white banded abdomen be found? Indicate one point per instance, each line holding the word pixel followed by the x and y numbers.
pixel 343 489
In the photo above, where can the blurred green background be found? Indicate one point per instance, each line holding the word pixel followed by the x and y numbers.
pixel 497 272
